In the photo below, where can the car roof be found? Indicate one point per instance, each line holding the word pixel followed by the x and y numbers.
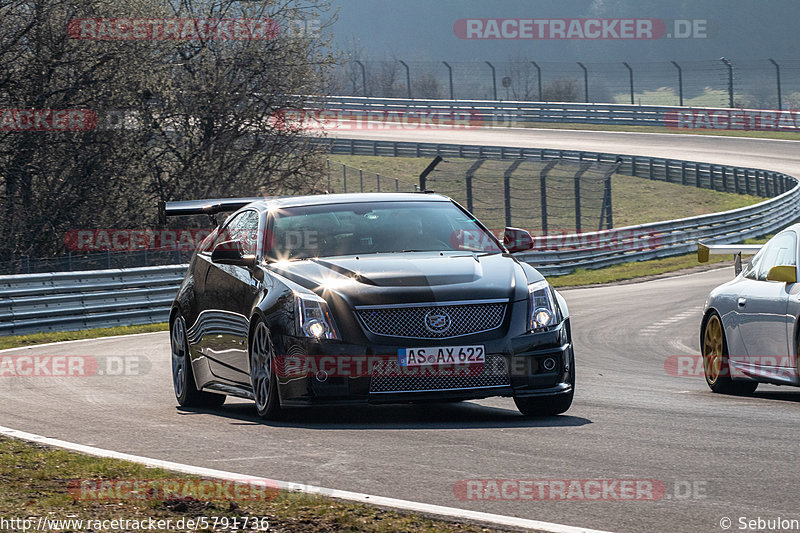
pixel 346 198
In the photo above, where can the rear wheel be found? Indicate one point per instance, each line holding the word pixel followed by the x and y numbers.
pixel 716 366
pixel 186 391
pixel 262 376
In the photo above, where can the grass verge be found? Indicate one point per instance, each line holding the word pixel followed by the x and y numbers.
pixel 35 481
pixel 15 341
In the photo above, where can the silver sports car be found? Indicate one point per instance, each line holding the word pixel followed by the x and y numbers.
pixel 749 333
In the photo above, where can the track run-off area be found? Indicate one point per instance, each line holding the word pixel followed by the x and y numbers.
pixel 635 416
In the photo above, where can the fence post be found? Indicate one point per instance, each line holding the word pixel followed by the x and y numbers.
pixel 607 203
pixel 507 188
pixel 730 80
pixel 630 76
pixel 396 185
pixel 468 179
pixel 680 81
pixel 450 73
pixel 585 82
pixel 538 78
pixel 363 76
pixel 344 175
pixel 378 176
pixel 543 191
pixel 328 161
pixel 408 77
pixel 494 80
pixel 778 74
pixel 361 178
pixel 578 175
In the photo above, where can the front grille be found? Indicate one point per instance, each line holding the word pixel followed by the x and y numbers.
pixel 493 374
pixel 410 322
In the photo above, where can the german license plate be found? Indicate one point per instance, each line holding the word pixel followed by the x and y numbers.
pixel 442 355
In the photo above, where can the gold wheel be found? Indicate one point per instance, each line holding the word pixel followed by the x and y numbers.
pixel 713 346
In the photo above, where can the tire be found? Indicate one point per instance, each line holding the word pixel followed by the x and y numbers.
pixel 540 406
pixel 716 367
pixel 262 375
pixel 186 391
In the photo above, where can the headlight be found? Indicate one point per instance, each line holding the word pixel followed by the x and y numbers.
pixel 543 312
pixel 313 317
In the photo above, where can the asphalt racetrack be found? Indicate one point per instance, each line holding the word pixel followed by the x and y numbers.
pixel 634 417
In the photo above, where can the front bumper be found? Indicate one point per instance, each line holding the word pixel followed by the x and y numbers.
pixel 328 372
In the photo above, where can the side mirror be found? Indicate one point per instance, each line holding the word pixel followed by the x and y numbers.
pixel 784 273
pixel 232 253
pixel 517 240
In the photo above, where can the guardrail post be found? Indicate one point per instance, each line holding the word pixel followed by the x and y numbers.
pixel 361 178
pixel 507 188
pixel 494 80
pixel 396 185
pixel 630 76
pixel 468 179
pixel 730 80
pixel 666 171
pixel 585 82
pixel 538 78
pixel 344 177
pixel 724 179
pixel 450 75
pixel 378 176
pixel 746 181
pixel 680 81
pixel 683 172
pixel 778 74
pixel 759 179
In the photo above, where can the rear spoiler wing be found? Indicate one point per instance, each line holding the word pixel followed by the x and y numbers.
pixel 202 207
pixel 705 250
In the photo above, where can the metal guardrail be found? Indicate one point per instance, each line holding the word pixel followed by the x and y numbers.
pixel 561 254
pixel 63 301
pixel 475 113
pixel 75 300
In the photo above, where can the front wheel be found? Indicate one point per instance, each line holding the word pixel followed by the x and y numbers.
pixel 716 366
pixel 262 375
pixel 549 405
pixel 186 391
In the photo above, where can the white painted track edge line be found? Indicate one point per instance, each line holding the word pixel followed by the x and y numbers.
pixel 450 513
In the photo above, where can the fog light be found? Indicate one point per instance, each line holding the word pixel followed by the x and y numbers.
pixel 549 364
pixel 322 376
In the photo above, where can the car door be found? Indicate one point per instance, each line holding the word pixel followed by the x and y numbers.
pixel 230 293
pixel 766 327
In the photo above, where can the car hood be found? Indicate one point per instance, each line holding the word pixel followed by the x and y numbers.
pixel 384 279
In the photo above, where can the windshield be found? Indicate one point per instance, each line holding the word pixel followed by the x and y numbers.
pixel 370 228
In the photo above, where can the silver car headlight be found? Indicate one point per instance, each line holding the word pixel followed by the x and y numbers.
pixel 542 309
pixel 313 317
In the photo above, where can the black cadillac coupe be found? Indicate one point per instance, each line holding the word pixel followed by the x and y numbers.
pixel 364 298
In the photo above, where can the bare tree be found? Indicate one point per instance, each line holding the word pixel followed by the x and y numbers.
pixel 176 119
